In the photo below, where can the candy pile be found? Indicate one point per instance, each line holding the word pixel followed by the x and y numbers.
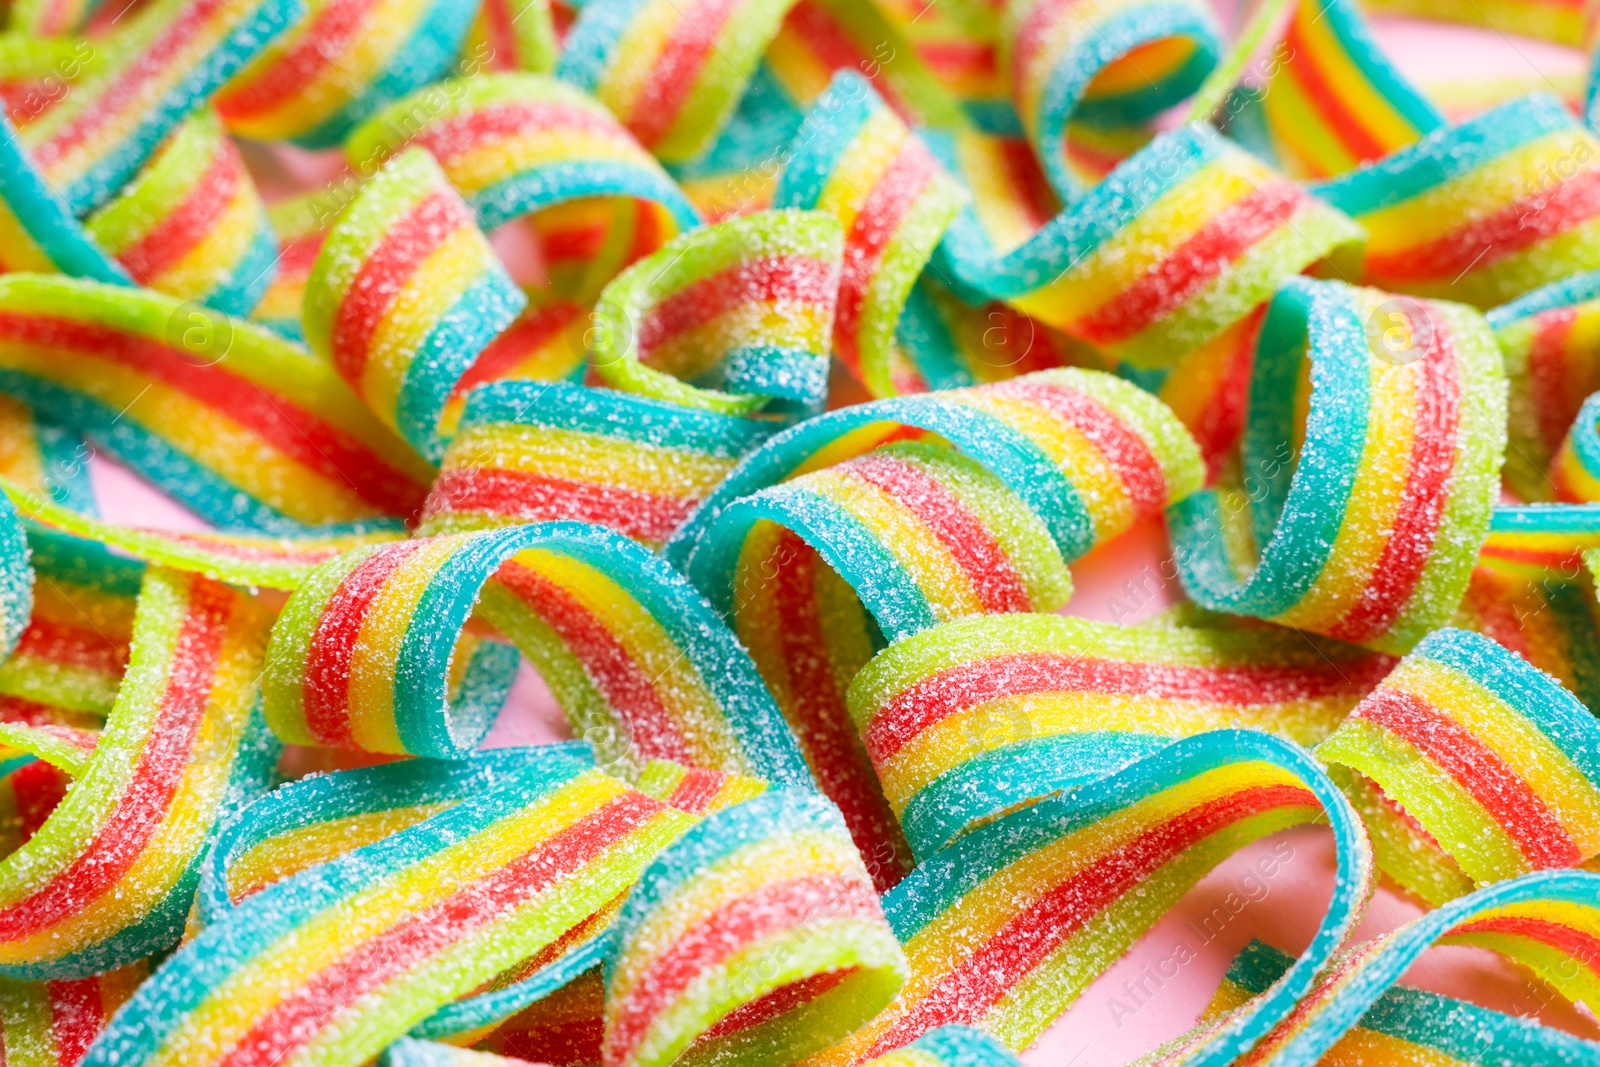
pixel 758 371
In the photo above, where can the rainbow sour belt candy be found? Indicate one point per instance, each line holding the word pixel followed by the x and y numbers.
pixel 358 655
pixel 1482 212
pixel 52 1023
pixel 1486 767
pixel 191 224
pixel 1548 922
pixel 756 938
pixel 1004 928
pixel 341 61
pixel 520 144
pixel 404 295
pixel 109 877
pixel 1409 1026
pixel 696 789
pixel 1575 470
pixel 1368 529
pixel 1181 241
pixel 337 961
pixel 968 720
pixel 529 452
pixel 238 424
pixel 857 160
pixel 1551 341
pixel 1050 464
pixel 745 307
pixel 1111 64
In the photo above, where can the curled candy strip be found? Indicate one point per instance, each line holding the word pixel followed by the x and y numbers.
pixel 69 661
pixel 1575 470
pixel 1482 212
pixel 43 458
pixel 1335 101
pixel 1184 239
pixel 968 720
pixel 338 63
pixel 1408 1025
pixel 358 655
pixel 1546 921
pixel 1477 750
pixel 814 530
pixel 526 452
pixel 109 877
pixel 1551 342
pixel 1369 528
pixel 191 223
pixel 1536 540
pixel 405 294
pixel 1110 65
pixel 1552 621
pixel 856 159
pixel 341 959
pixel 675 109
pixel 744 306
pixel 55 1022
pixel 949 1046
pixel 756 938
pixel 236 423
pixel 696 789
pixel 516 144
pixel 1003 929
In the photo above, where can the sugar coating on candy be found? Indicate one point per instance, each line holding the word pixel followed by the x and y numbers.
pixel 758 933
pixel 747 305
pixel 1492 757
pixel 966 721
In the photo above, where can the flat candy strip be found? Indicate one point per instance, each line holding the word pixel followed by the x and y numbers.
pixel 230 419
pixel 732 318
pixel 533 452
pixel 1004 929
pixel 1489 756
pixel 358 655
pixel 1368 519
pixel 335 963
pixel 404 295
pixel 191 222
pixel 109 877
pixel 968 720
pixel 756 938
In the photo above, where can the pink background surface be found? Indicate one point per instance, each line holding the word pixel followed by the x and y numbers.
pixel 1135 1006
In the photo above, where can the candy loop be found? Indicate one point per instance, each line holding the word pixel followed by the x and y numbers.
pixel 534 452
pixel 1109 65
pixel 1367 528
pixel 358 656
pixel 230 419
pixel 1181 241
pixel 1550 342
pixel 966 721
pixel 405 294
pixel 1546 921
pixel 677 109
pixel 191 223
pixel 516 144
pixel 1477 754
pixel 745 306
pixel 1481 212
pixel 343 958
pixel 1575 470
pixel 756 938
pixel 1004 928
pixel 856 159
pixel 338 64
pixel 109 877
